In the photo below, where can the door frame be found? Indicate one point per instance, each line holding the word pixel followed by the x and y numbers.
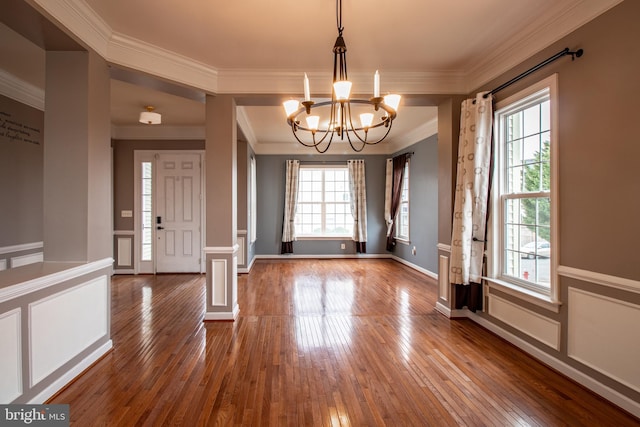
pixel 140 156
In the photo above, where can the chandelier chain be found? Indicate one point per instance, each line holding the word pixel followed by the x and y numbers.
pixel 339 16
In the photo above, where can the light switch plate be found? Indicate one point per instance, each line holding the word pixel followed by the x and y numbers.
pixel 126 214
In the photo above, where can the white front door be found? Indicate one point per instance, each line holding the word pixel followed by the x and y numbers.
pixel 177 221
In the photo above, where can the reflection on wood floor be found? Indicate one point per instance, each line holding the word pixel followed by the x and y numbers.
pixel 318 342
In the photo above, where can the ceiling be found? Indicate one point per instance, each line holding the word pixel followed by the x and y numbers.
pixel 170 54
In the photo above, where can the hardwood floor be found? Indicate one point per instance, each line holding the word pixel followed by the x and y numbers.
pixel 317 343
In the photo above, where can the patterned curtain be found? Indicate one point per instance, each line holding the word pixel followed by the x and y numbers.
pixel 471 199
pixel 358 192
pixel 396 191
pixel 290 205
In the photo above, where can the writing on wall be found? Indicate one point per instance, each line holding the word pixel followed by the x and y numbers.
pixel 16 130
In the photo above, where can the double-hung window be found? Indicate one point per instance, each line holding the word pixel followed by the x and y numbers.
pixel 523 223
pixel 402 221
pixel 323 209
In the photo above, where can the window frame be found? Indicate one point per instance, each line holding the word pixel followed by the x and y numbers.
pixel 405 181
pixel 253 201
pixel 538 295
pixel 324 168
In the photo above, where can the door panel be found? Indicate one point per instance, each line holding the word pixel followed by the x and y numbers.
pixel 178 213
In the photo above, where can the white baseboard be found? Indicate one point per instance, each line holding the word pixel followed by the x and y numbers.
pixel 347 256
pixel 223 315
pixel 72 373
pixel 606 392
pixel 247 269
pixel 124 271
pixel 451 314
pixel 416 267
pixel 443 309
pixel 336 256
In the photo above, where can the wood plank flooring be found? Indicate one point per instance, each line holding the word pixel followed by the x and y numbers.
pixel 317 343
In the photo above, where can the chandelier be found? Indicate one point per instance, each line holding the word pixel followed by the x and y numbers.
pixel 340 123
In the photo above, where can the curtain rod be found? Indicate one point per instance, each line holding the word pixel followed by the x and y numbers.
pixel 577 54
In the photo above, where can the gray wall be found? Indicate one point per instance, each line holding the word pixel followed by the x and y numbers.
pixel 21 164
pixel 123 172
pixel 598 180
pixel 423 206
pixel 271 178
pixel 77 158
pixel 598 143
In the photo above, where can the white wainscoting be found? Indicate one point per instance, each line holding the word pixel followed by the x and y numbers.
pixel 20 248
pixel 219 282
pixel 65 324
pixel 241 250
pixel 125 251
pixel 3 264
pixel 10 356
pixel 443 278
pixel 18 261
pixel 600 279
pixel 531 323
pixel 602 334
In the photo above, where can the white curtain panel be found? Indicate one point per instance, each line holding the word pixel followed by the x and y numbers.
pixel 472 188
pixel 290 201
pixel 387 196
pixel 358 190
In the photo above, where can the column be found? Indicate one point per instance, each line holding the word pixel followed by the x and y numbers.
pixel 448 135
pixel 77 158
pixel 221 248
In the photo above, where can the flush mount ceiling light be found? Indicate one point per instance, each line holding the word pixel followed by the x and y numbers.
pixel 149 117
pixel 338 121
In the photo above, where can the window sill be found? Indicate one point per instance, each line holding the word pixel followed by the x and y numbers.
pixel 403 241
pixel 536 298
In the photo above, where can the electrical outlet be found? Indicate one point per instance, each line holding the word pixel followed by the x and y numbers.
pixel 342 246
pixel 413 251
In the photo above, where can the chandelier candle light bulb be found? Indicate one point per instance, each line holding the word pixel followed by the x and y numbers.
pixel 307 93
pixel 376 85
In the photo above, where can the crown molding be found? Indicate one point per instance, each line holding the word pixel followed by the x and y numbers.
pixel 139 55
pixel 79 18
pixel 533 39
pixel 418 134
pixel 21 91
pixel 286 82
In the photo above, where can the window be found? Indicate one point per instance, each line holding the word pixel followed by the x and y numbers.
pixel 402 221
pixel 523 214
pixel 323 202
pixel 147 211
pixel 253 209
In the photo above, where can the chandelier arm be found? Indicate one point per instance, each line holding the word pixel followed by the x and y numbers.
pixel 314 143
pixel 364 141
pixel 328 143
pixel 357 150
